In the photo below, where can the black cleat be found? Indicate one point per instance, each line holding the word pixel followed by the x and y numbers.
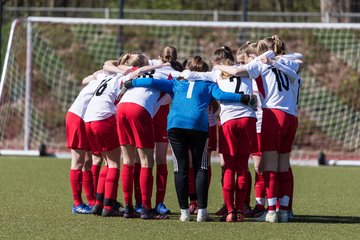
pixel 97 209
pixel 130 212
pixel 112 213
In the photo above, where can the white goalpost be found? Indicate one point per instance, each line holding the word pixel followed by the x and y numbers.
pixel 47 57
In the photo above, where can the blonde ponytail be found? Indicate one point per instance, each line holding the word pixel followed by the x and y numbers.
pixel 279 45
pixel 134 59
pixel 123 58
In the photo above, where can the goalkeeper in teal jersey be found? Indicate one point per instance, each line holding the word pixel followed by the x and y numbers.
pixel 188 129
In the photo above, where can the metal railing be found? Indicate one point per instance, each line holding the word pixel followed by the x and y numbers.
pixel 205 15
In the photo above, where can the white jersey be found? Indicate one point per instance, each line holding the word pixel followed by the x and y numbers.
pixel 234 110
pixel 258 112
pixel 273 85
pixel 203 76
pixel 154 62
pixel 81 102
pixel 295 88
pixel 150 98
pixel 102 104
pixel 296 84
pixel 166 72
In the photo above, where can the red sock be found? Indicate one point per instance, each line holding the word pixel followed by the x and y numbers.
pixel 116 187
pixel 260 192
pixel 146 185
pixel 292 189
pixel 137 190
pixel 95 169
pixel 75 183
pixel 101 186
pixel 191 184
pixel 248 189
pixel 161 179
pixel 112 179
pixel 284 189
pixel 127 179
pixel 241 181
pixel 271 185
pixel 228 183
pixel 228 188
pixel 88 185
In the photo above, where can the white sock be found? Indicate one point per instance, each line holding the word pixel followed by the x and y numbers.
pixel 202 211
pixel 185 211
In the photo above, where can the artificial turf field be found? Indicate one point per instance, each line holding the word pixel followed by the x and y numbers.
pixel 35 200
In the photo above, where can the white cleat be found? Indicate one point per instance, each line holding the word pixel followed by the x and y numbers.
pixel 185 215
pixel 267 217
pixel 202 215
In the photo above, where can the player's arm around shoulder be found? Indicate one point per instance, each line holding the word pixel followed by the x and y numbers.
pixel 91 77
pixel 161 84
pixel 220 95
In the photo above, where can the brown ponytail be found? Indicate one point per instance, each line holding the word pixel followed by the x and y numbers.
pixel 197 64
pixel 168 54
pixel 223 54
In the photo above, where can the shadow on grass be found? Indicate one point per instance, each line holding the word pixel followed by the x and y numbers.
pixel 296 219
pixel 326 219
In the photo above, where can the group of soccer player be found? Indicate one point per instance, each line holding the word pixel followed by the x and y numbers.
pixel 134 107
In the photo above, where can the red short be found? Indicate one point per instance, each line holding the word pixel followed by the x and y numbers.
pixel 160 124
pixel 259 145
pixel 278 130
pixel 238 137
pixel 102 135
pixel 212 145
pixel 76 137
pixel 135 126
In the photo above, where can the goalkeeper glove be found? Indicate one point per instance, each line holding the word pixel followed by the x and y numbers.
pixel 250 100
pixel 124 87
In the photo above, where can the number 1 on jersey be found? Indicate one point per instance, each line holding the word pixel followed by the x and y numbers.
pixel 190 90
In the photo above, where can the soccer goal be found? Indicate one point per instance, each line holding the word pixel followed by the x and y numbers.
pixel 47 58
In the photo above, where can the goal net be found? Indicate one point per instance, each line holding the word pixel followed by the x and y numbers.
pixel 36 91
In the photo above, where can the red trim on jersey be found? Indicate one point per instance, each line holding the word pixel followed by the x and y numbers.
pixel 133 68
pixel 260 85
pixel 163 93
